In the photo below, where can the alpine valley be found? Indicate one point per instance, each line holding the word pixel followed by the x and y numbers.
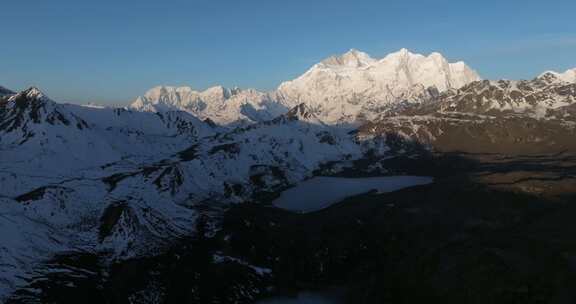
pixel 174 198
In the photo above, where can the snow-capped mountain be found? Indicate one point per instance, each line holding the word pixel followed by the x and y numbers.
pixel 342 89
pixel 57 162
pixel 24 113
pixel 568 76
pixel 227 107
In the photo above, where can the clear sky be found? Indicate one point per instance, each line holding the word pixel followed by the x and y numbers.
pixel 111 51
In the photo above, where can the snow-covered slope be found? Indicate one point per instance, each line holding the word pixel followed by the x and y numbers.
pixel 341 90
pixel 45 140
pixel 124 183
pixel 54 163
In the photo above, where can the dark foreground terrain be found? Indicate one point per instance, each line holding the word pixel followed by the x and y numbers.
pixel 490 229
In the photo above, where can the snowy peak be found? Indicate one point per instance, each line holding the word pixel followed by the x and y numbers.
pixel 547 78
pixel 219 93
pixel 229 107
pixel 31 99
pixel 182 97
pixel 168 98
pixel 401 69
pixel 353 85
pixel 568 76
pixel 352 58
pixel 401 56
pixel 32 94
pixel 433 70
pixel 32 107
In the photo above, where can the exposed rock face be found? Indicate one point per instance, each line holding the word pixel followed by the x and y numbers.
pixel 513 117
pixel 533 97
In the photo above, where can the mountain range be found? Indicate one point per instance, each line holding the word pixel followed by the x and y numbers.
pixel 343 89
pixel 124 183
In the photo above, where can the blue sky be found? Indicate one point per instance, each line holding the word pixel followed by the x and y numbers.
pixel 111 51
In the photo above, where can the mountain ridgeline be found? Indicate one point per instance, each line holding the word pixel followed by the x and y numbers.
pixel 177 188
pixel 340 89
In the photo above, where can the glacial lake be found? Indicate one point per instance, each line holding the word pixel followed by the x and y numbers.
pixel 308 297
pixel 321 192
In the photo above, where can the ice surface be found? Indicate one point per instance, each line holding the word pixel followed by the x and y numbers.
pixel 322 192
pixel 306 297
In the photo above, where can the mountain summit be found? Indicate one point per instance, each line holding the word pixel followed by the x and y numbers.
pixel 355 84
pixel 357 72
pixel 352 58
pixel 568 76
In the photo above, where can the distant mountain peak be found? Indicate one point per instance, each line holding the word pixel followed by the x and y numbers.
pixel 34 93
pixel 404 53
pixel 567 76
pixel 400 52
pixel 353 58
pixel 224 106
pixel 343 88
pixel 340 89
pixel 548 77
pixel 31 96
pixel 32 107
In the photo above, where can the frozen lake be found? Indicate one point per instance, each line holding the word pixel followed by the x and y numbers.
pixel 321 192
pixel 307 297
